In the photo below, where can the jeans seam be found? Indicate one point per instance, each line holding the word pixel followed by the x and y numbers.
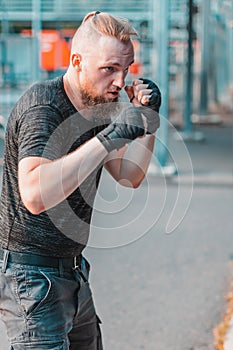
pixel 45 299
pixel 5 261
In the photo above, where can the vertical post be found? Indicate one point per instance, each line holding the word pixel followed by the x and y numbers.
pixel 188 134
pixel 162 37
pixel 36 30
pixel 203 103
pixel 203 116
pixel 5 31
pixel 230 51
pixel 224 59
pixel 189 74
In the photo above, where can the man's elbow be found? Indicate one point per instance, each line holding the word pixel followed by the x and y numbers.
pixel 33 202
pixel 135 183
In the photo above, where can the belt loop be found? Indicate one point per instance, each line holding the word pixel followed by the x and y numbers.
pixel 61 268
pixel 5 260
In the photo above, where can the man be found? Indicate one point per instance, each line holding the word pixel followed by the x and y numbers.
pixel 57 142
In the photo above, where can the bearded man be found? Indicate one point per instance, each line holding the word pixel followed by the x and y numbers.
pixel 59 136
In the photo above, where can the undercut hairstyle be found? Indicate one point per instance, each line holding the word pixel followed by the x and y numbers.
pixel 104 23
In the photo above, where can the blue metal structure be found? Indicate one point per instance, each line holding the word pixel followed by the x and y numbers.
pixel 160 23
pixel 162 35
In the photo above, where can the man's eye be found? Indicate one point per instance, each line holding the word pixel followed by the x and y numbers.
pixel 109 69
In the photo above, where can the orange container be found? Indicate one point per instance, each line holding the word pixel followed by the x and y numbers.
pixel 55 51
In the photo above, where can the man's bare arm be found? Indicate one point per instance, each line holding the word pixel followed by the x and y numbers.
pixel 44 183
pixel 129 165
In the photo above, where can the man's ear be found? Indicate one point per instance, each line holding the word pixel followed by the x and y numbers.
pixel 76 60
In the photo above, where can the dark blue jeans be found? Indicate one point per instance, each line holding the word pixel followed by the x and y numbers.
pixel 48 308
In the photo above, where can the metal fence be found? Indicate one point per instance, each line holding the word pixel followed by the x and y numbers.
pixel 70 10
pixel 164 31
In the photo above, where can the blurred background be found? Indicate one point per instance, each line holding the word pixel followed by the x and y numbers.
pixel 163 291
pixel 186 46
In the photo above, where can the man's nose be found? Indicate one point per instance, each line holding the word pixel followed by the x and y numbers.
pixel 119 80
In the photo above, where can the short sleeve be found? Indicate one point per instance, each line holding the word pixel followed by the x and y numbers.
pixel 40 133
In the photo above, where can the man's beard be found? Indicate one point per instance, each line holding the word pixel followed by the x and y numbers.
pixel 89 99
pixel 98 107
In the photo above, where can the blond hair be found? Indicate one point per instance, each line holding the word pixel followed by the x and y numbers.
pixel 106 24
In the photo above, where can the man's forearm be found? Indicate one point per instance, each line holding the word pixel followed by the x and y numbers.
pixel 137 159
pixel 51 182
pixel 129 167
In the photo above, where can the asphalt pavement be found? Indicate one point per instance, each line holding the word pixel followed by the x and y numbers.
pixel 166 291
pixel 160 284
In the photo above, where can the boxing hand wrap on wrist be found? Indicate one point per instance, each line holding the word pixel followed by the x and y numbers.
pixel 127 127
pixel 110 139
pixel 152 119
pixel 155 97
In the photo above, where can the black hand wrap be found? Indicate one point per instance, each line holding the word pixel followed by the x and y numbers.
pixel 126 127
pixel 155 99
pixel 151 117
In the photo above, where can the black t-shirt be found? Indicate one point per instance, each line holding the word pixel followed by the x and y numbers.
pixel 44 123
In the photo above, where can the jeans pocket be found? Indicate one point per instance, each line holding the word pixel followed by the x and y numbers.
pixel 41 345
pixel 33 291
